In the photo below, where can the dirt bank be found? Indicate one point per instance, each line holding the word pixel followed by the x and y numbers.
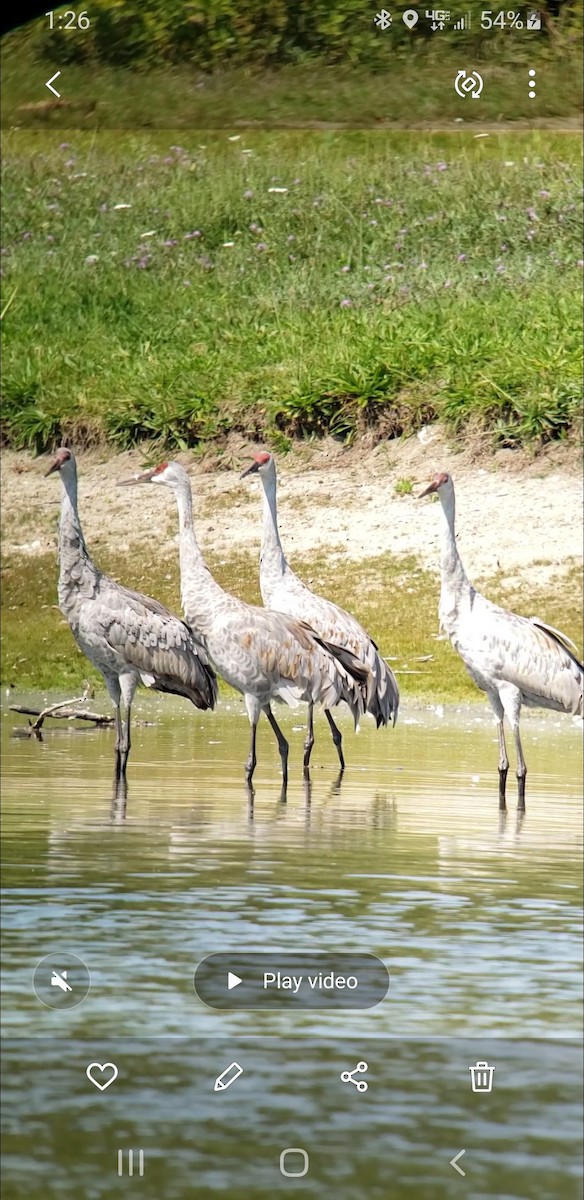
pixel 517 515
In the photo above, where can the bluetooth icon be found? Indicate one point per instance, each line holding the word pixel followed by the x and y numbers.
pixel 383 19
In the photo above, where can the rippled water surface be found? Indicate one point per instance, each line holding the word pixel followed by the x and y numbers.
pixel 476 914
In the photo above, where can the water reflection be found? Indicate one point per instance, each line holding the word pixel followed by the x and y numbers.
pixel 476 912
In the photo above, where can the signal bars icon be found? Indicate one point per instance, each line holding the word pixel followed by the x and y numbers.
pixel 462 23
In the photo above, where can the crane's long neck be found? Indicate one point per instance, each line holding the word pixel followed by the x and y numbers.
pixel 273 563
pixel 455 585
pixel 77 573
pixel 200 593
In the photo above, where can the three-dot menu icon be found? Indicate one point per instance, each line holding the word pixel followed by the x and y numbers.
pixel 531 84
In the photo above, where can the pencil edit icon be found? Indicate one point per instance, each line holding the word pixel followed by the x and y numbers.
pixel 227 1077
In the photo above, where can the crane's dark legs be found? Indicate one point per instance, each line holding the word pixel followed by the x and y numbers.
pixel 250 765
pixel 119 739
pixel 126 741
pixel 521 770
pixel 337 738
pixel 503 766
pixel 282 746
pixel 309 740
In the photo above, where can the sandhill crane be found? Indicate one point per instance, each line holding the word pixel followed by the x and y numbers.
pixel 282 590
pixel 264 655
pixel 515 660
pixel 130 638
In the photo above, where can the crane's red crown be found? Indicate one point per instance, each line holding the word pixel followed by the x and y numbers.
pixel 160 469
pixel 437 482
pixel 62 456
pixel 262 458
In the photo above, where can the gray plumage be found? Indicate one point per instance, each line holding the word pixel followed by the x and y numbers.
pixel 264 655
pixel 130 638
pixel 515 660
pixel 282 589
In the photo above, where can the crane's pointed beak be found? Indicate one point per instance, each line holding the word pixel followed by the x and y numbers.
pixel 54 467
pixel 141 477
pixel 428 490
pixel 255 466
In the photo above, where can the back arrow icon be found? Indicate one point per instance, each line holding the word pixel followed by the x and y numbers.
pixel 454 1162
pixel 51 81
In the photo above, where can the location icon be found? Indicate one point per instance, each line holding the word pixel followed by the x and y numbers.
pixel 410 18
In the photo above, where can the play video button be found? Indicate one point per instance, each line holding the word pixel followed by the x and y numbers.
pixel 236 980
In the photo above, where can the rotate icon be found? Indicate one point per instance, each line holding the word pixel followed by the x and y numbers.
pixel 468 83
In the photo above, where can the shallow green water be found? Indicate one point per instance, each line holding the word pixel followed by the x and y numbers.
pixel 476 914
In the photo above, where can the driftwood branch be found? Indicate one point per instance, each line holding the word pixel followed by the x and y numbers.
pixel 63 711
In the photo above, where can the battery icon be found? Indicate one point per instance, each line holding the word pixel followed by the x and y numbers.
pixel 533 20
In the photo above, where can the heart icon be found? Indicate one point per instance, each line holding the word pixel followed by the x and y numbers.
pixel 102 1084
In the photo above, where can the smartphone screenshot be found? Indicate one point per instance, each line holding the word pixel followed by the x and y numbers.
pixel 292 601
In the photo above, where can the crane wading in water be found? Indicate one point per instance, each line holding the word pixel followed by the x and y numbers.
pixel 130 638
pixel 515 660
pixel 282 590
pixel 264 655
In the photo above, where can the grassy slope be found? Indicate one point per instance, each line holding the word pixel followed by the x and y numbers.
pixel 398 277
pixel 408 86
pixel 394 597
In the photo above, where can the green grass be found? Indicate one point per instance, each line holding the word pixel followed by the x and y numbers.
pixel 393 596
pixel 412 93
pixel 399 278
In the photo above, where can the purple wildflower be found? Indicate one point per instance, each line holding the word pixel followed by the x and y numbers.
pixel 195 233
pixel 261 246
pixel 248 194
pixel 462 257
pixel 545 194
pixel 346 303
pixel 170 242
pixel 531 213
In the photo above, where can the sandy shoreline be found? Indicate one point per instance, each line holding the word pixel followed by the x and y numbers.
pixel 517 515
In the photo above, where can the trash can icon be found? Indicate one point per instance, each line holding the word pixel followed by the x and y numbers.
pixel 481 1077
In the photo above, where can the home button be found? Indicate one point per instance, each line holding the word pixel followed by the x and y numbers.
pixel 294 1162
